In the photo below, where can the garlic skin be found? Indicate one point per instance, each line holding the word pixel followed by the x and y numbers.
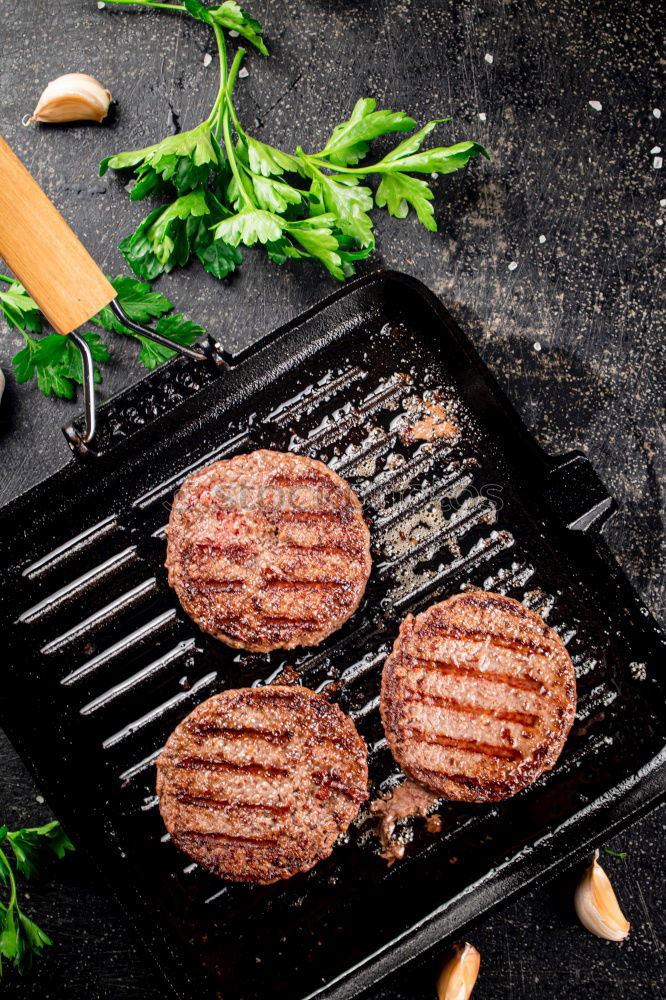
pixel 74 97
pixel 458 976
pixel 597 907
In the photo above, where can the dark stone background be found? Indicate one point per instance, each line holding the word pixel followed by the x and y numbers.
pixel 590 294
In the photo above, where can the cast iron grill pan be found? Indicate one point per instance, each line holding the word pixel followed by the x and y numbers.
pixel 102 663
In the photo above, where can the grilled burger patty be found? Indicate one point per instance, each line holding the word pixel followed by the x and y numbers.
pixel 478 697
pixel 256 784
pixel 268 550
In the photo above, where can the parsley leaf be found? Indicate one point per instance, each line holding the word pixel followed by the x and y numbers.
pixel 398 191
pixel 160 241
pixel 141 305
pixel 249 226
pixel 57 363
pixel 349 202
pixel 230 15
pixel 443 160
pixel 350 141
pixel 176 328
pixel 137 300
pixel 20 937
pixel 18 308
pixel 185 160
pixel 266 160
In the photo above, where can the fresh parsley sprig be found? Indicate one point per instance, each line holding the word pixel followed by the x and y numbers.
pixel 224 188
pixel 56 362
pixel 20 937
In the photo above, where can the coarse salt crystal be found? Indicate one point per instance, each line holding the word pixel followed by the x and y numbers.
pixel 101 5
pixel 659 222
pixel 40 798
pixel 234 34
pixel 513 265
pixel 243 72
pixel 482 116
pixel 537 346
pixel 663 202
pixel 655 150
pixel 488 58
pixel 434 176
pixel 208 59
pixel 542 239
pixel 657 163
pixel 595 104
pixel 656 112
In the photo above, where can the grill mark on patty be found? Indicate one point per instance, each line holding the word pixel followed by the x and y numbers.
pixel 280 584
pixel 208 764
pixel 274 623
pixel 324 548
pixel 495 677
pixel 526 719
pixel 290 479
pixel 209 835
pixel 224 805
pixel 527 647
pixel 207 585
pixel 310 516
pixel 231 550
pixel 206 729
pixel 469 746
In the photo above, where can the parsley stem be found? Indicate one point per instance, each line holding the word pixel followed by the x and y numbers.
pixel 226 129
pixel 147 3
pixel 315 158
pixel 6 867
pixel 221 94
pixel 3 277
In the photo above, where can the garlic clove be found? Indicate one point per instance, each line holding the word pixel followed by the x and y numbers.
pixel 458 976
pixel 597 907
pixel 73 97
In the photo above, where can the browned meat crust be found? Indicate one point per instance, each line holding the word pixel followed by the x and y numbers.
pixel 268 550
pixel 478 697
pixel 256 784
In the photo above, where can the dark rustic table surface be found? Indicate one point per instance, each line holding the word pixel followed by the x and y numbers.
pixel 551 256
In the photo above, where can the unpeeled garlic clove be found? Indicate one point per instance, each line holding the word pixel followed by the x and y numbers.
pixel 73 97
pixel 458 976
pixel 597 906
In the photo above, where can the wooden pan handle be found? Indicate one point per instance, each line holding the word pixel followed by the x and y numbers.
pixel 43 252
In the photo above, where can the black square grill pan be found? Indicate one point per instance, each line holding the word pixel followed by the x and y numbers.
pixel 101 663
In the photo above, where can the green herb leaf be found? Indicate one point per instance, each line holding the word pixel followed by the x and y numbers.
pixel 56 362
pixel 266 160
pixel 273 195
pixel 27 844
pixel 137 300
pixel 349 202
pixel 250 226
pixel 443 160
pixel 185 160
pixel 615 854
pixel 231 16
pixel 398 191
pixel 160 242
pixel 18 308
pixel 350 140
pixel 316 236
pixel 20 937
pixel 176 328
